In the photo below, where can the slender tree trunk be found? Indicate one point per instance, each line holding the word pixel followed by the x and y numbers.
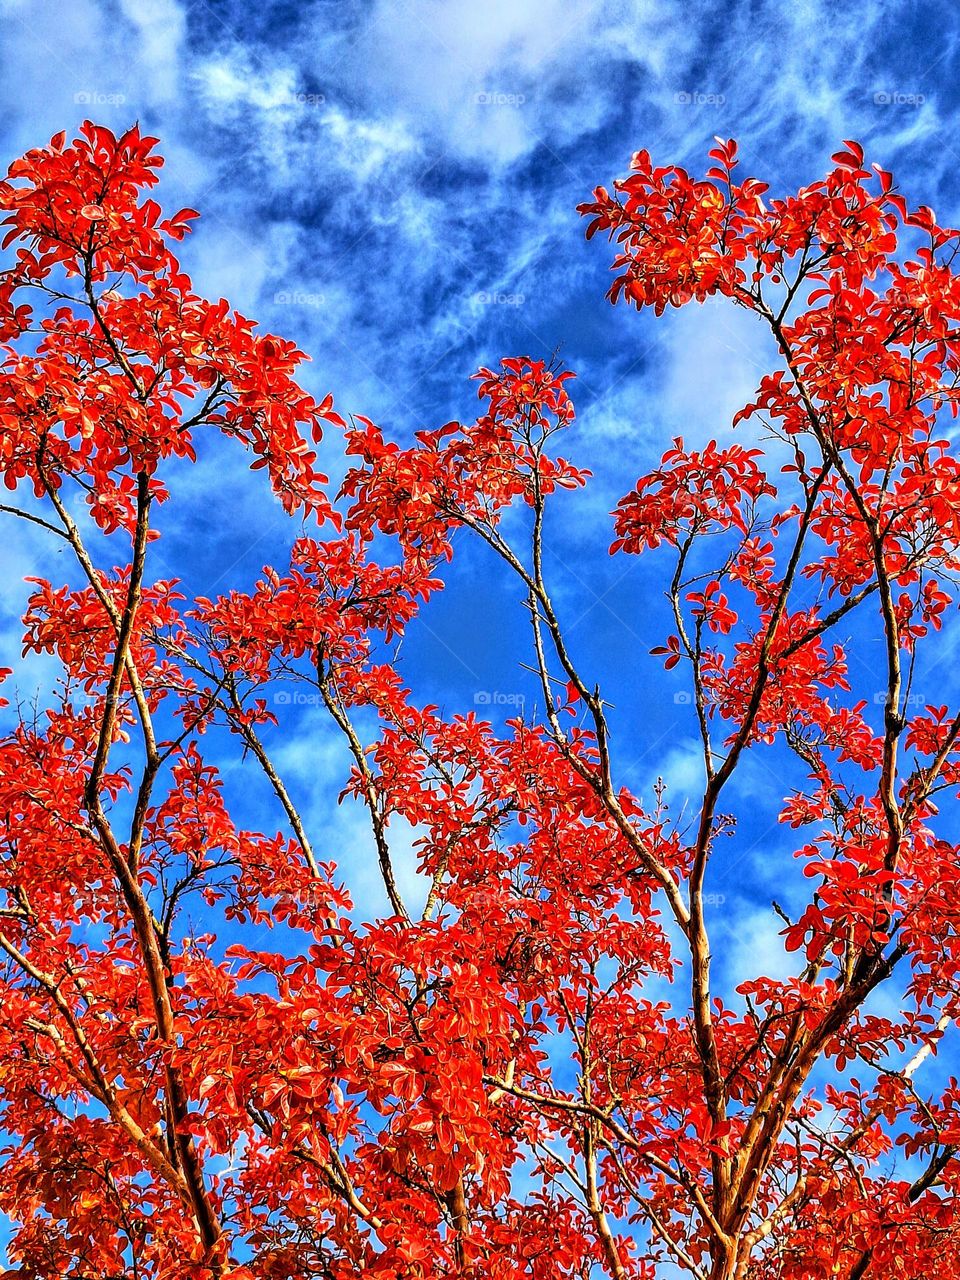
pixel 726 1263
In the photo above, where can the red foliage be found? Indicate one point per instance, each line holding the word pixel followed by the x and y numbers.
pixel 489 1085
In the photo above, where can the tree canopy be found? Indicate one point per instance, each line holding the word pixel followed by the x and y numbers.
pixel 490 1082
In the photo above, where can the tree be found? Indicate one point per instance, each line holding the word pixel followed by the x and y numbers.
pixel 485 1087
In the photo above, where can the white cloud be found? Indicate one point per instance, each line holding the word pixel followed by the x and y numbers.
pixel 495 81
pixel 747 943
pixel 365 147
pixel 681 768
pixel 231 80
pixel 714 359
pixel 160 27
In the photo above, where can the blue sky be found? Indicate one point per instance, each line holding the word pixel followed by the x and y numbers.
pixel 393 184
